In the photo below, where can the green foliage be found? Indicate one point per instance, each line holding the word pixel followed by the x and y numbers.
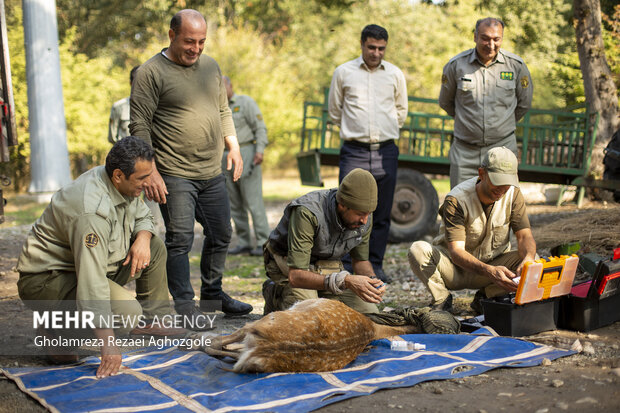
pixel 284 52
pixel 251 70
pixel 535 28
pixel 90 86
pixel 94 27
pixel 611 37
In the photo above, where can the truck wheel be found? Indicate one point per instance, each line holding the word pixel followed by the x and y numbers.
pixel 414 210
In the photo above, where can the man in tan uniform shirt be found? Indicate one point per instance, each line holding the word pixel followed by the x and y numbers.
pixel 473 247
pixel 95 236
pixel 486 90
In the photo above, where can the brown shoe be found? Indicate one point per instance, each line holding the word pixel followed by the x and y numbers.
pixel 57 354
pixel 158 331
pixel 443 305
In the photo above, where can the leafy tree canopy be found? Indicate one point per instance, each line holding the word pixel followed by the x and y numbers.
pixel 284 52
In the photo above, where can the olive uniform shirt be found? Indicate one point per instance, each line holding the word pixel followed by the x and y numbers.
pixel 87 228
pixel 301 230
pixel 485 101
pixel 249 123
pixel 119 120
pixel 454 220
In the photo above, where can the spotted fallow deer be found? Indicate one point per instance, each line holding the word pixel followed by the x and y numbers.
pixel 313 335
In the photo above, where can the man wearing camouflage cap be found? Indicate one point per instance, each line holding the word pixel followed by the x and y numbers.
pixel 303 253
pixel 473 248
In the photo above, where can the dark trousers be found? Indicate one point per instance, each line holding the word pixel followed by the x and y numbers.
pixel 382 164
pixel 205 201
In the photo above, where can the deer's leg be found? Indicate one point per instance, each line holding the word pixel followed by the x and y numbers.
pixel 235 337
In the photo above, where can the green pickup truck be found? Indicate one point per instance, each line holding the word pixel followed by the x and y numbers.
pixel 555 147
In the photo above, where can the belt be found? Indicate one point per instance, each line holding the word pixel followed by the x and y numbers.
pixel 247 143
pixel 370 146
pixel 480 145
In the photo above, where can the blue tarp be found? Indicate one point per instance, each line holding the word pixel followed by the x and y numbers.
pixel 170 380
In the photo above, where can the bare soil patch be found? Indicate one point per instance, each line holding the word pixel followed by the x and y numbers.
pixel 586 381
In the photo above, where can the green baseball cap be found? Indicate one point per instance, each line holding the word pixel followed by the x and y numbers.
pixel 502 166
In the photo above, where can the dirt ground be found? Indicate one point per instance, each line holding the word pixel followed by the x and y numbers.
pixel 587 381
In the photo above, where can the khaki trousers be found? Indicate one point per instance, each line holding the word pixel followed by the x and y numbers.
pixel 465 159
pixel 57 289
pixel 432 265
pixel 246 197
pixel 285 295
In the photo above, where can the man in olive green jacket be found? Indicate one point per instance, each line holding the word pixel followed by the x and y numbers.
pixel 95 236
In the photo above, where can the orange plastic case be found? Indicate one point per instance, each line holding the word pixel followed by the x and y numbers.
pixel 543 279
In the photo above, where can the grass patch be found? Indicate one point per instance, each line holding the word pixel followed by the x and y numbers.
pixel 288 186
pixel 442 186
pixel 22 210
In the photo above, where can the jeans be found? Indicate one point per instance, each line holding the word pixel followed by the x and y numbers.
pixel 205 201
pixel 383 165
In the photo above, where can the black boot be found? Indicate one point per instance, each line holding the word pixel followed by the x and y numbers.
pixel 230 306
pixel 476 304
pixel 269 289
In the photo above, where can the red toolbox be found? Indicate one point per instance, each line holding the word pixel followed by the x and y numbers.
pixel 595 303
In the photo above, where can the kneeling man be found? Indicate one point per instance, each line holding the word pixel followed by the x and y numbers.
pixel 95 236
pixel 303 253
pixel 473 249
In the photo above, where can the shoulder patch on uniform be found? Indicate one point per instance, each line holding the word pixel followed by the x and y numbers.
pixel 236 109
pixel 259 117
pixel 91 240
pixel 444 79
pixel 525 82
pixel 506 75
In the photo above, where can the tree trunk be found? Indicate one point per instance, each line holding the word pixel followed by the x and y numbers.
pixel 600 89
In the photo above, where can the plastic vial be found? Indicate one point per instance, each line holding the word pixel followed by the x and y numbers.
pixel 400 345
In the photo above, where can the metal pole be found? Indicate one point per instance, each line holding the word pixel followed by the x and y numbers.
pixel 49 157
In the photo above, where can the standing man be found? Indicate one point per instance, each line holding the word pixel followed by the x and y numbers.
pixel 119 115
pixel 179 106
pixel 486 90
pixel 118 129
pixel 368 101
pixel 473 248
pixel 95 236
pixel 304 252
pixel 246 194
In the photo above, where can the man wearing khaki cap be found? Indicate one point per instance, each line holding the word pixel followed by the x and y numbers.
pixel 303 253
pixel 473 248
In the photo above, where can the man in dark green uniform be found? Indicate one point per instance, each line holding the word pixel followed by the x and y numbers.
pixel 246 194
pixel 303 254
pixel 95 236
